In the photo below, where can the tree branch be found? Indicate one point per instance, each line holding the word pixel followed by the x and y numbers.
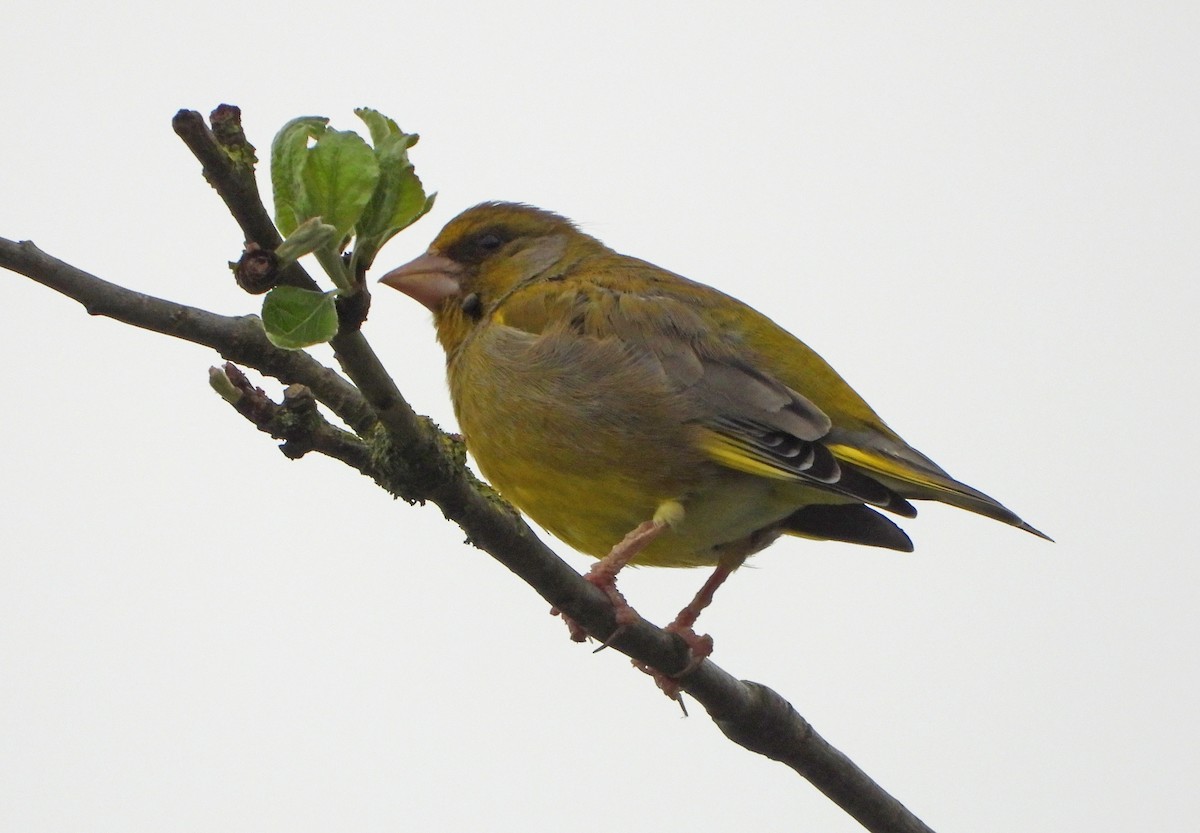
pixel 407 455
pixel 228 165
pixel 431 468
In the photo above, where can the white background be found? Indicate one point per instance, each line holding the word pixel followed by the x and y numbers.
pixel 984 215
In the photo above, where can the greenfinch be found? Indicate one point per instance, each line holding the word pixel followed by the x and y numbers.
pixel 642 417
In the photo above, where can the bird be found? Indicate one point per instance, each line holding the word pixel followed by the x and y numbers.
pixel 645 418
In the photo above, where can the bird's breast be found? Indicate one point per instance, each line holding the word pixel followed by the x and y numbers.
pixel 588 439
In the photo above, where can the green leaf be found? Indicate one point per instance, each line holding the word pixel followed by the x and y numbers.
pixel 305 239
pixel 295 318
pixel 339 177
pixel 380 125
pixel 339 181
pixel 399 198
pixel 289 152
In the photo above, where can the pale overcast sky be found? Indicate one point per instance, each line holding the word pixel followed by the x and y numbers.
pixel 984 215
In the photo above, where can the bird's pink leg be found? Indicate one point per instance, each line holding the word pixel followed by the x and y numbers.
pixel 604 576
pixel 699 647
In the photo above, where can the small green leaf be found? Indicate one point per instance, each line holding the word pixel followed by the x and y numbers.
pixel 305 239
pixel 339 177
pixel 295 318
pixel 399 198
pixel 380 125
pixel 412 205
pixel 289 152
pixel 219 380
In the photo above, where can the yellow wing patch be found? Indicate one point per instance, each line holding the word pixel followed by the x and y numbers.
pixel 737 455
pixel 888 466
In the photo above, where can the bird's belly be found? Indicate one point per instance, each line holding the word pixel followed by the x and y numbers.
pixel 593 510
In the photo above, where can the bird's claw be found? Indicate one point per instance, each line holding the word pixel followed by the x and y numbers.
pixel 699 649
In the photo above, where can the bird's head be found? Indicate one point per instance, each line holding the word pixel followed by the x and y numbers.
pixel 481 256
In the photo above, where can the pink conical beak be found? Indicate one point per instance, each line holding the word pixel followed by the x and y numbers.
pixel 430 279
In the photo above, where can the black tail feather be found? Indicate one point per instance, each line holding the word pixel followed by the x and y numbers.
pixel 852 523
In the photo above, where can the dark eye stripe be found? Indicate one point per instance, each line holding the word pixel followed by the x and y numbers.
pixel 479 246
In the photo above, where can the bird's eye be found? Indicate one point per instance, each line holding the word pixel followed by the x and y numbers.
pixel 489 242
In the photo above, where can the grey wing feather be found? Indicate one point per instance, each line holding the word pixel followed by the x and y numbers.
pixel 751 410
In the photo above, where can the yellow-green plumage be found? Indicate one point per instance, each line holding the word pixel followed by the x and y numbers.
pixel 597 391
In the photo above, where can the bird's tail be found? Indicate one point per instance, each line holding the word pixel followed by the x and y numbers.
pixel 913 475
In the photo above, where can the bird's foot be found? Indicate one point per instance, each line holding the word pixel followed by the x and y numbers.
pixel 574 629
pixel 623 612
pixel 699 649
pixel 603 576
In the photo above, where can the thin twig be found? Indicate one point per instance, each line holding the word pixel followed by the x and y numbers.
pixel 240 339
pixel 234 182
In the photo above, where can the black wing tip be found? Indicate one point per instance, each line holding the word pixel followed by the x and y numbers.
pixel 1033 531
